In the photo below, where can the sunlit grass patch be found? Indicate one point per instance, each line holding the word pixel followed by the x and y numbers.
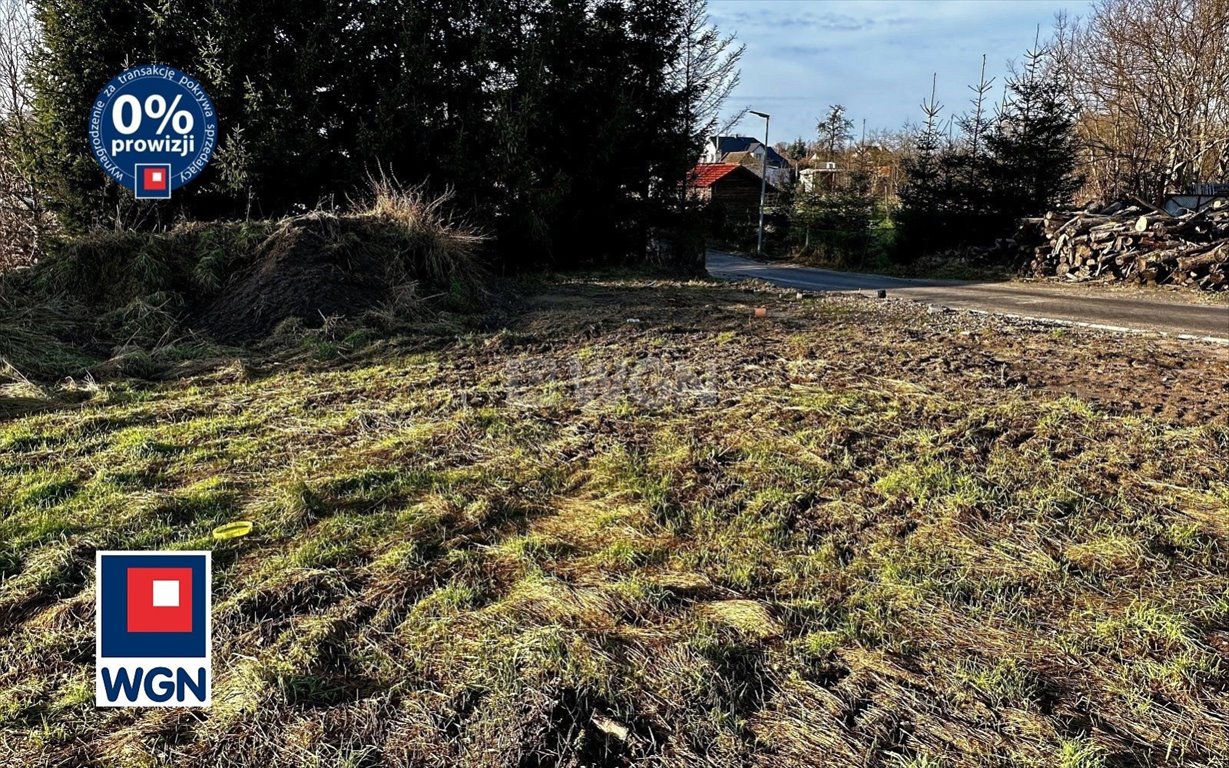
pixel 1080 753
pixel 1002 683
pixel 1109 553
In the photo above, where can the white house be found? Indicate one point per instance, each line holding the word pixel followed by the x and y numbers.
pixel 749 152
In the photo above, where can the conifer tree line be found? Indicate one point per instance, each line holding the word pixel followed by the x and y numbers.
pixel 564 128
pixel 1131 101
pixel 958 180
pixel 970 178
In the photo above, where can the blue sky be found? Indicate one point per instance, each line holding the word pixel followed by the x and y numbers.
pixel 874 56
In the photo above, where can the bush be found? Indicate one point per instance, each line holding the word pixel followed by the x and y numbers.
pixel 834 227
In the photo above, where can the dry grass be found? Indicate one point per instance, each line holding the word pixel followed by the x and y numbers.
pixel 137 302
pixel 843 535
pixel 440 247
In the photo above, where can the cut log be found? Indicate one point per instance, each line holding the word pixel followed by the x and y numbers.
pixel 1218 255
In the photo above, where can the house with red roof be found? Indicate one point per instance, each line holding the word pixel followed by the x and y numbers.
pixel 733 187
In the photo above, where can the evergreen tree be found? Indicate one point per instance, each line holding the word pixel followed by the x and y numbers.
pixel 922 201
pixel 836 224
pixel 972 189
pixel 563 126
pixel 1033 145
pixel 279 74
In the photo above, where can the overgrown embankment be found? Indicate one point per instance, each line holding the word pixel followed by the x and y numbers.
pixel 133 298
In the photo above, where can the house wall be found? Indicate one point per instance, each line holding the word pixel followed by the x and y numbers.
pixel 780 177
pixel 739 195
pixel 819 179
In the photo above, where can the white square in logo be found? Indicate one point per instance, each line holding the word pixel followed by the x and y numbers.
pixel 157 177
pixel 166 594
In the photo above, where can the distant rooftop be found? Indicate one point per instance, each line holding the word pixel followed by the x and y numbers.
pixel 730 144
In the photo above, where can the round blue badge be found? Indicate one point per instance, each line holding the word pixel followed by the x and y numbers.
pixel 153 129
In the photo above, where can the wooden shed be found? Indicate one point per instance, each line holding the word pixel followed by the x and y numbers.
pixel 734 187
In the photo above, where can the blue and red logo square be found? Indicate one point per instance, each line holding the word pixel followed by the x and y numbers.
pixel 153 625
pixel 153 181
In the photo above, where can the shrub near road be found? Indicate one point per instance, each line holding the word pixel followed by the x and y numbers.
pixel 849 533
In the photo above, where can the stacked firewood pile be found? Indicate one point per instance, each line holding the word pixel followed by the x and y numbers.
pixel 1130 241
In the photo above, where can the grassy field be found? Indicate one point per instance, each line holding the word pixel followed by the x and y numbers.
pixel 621 521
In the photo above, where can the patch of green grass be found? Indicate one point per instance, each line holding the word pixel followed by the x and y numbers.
pixel 46 492
pixel 1079 753
pixel 1005 683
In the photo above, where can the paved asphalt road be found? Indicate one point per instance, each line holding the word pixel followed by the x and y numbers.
pixel 1074 305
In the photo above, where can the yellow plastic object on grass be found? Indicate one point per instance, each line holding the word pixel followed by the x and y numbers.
pixel 232 530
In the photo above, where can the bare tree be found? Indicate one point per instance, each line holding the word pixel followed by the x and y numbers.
pixel 23 220
pixel 1151 80
pixel 890 149
pixel 835 131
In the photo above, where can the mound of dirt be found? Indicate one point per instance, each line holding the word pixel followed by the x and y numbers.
pixel 311 267
pixel 234 282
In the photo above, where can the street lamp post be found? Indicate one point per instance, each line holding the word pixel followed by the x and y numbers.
pixel 759 242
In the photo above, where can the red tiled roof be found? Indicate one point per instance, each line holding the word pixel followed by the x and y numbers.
pixel 708 174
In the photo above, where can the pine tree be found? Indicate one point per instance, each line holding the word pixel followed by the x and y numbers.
pixel 972 188
pixel 921 192
pixel 1033 144
pixel 796 149
pixel 284 84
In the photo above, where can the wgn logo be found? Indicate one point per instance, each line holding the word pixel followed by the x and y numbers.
pixel 153 631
